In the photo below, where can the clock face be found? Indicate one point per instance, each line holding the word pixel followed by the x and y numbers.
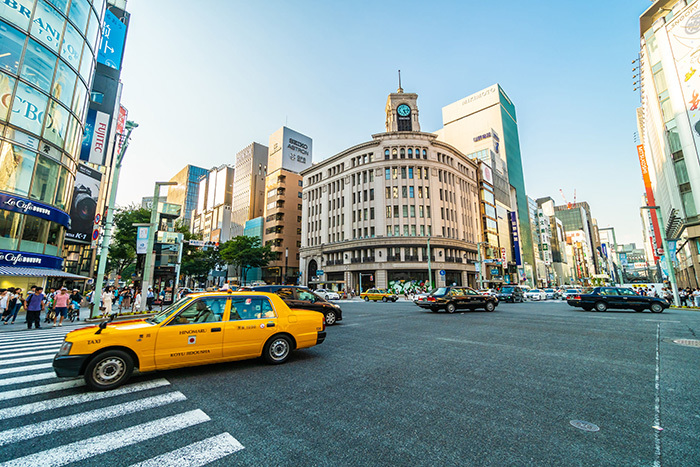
pixel 404 110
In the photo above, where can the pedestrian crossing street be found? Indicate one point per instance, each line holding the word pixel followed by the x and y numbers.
pixel 50 421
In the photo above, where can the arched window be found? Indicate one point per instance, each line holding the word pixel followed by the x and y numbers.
pixel 425 154
pixel 386 154
pixel 403 153
pixel 410 153
pixel 394 152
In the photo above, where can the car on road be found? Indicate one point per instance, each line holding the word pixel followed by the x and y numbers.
pixel 492 292
pixel 511 293
pixel 198 329
pixel 378 294
pixel 419 297
pixel 570 292
pixel 327 294
pixel 551 294
pixel 301 298
pixel 536 294
pixel 604 298
pixel 456 298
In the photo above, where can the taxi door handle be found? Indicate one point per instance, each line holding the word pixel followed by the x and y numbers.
pixel 215 329
pixel 270 325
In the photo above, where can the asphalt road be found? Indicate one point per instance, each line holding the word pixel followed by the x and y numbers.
pixel 391 385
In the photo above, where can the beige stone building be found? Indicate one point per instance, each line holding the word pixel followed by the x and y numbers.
pixel 387 210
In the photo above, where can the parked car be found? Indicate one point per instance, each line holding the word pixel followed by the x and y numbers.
pixel 571 292
pixel 198 329
pixel 327 294
pixel 551 294
pixel 378 294
pixel 604 298
pixel 456 298
pixel 536 294
pixel 301 298
pixel 511 293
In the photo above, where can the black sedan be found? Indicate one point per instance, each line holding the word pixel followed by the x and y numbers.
pixel 301 298
pixel 620 298
pixel 452 299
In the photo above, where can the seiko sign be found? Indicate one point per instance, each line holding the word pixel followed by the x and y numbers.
pixel 16 258
pixel 300 151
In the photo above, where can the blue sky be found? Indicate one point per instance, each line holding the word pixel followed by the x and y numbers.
pixel 204 79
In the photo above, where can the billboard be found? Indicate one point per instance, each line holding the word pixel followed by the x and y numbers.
pixel 95 137
pixel 84 204
pixel 512 218
pixel 651 201
pixel 112 42
pixel 289 150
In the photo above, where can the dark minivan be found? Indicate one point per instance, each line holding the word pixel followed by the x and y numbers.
pixel 301 298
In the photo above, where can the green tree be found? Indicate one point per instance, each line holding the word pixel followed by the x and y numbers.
pixel 122 251
pixel 245 253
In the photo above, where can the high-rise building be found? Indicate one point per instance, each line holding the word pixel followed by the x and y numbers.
pixel 578 225
pixel 669 127
pixel 186 192
pixel 387 211
pixel 248 186
pixel 486 121
pixel 47 57
pixel 556 243
pixel 290 153
pixel 212 218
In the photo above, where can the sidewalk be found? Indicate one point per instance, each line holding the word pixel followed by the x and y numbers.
pixel 85 320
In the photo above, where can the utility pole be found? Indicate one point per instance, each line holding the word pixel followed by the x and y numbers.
pixel 430 271
pixel 107 238
pixel 669 263
pixel 149 263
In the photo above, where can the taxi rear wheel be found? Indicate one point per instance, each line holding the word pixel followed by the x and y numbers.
pixel 384 299
pixel 366 298
pixel 109 370
pixel 277 349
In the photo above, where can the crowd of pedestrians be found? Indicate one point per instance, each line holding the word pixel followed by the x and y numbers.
pixel 689 297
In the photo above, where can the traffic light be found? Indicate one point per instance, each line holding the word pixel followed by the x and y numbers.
pixel 371 277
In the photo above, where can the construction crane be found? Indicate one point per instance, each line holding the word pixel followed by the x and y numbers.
pixel 568 205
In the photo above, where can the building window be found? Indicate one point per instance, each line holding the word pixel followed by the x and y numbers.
pixel 386 154
pixel 371 194
pixel 403 153
pixel 413 211
pixel 410 153
pixel 405 231
pixel 405 210
pixel 371 213
pixel 411 192
pixel 396 212
pixel 410 172
pixel 387 192
pixel 404 192
pixel 387 174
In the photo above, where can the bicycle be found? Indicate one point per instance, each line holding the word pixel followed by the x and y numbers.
pixel 73 311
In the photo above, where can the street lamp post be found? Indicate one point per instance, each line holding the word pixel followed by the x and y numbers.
pixel 286 263
pixel 149 262
pixel 107 238
pixel 430 271
pixel 669 263
pixel 481 264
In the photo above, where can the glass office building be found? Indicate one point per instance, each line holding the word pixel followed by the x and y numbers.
pixel 47 56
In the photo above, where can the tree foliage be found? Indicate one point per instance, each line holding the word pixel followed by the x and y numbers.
pixel 245 253
pixel 122 250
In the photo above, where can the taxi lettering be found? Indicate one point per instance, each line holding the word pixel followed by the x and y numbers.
pixel 93 341
pixel 193 352
pixel 193 331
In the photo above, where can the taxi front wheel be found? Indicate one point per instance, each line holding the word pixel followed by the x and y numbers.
pixel 277 349
pixel 109 370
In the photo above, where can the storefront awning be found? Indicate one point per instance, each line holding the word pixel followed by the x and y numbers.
pixel 38 272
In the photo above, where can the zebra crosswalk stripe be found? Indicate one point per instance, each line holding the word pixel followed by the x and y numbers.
pixel 90 447
pixel 19 369
pixel 53 387
pixel 42 345
pixel 33 352
pixel 75 399
pixel 196 454
pixel 37 358
pixel 26 379
pixel 30 341
pixel 84 418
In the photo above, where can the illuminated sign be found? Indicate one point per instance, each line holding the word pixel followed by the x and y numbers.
pixel 112 42
pixel 29 260
pixel 33 208
pixel 515 237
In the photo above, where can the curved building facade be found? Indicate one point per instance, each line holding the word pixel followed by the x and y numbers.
pixel 381 213
pixel 47 57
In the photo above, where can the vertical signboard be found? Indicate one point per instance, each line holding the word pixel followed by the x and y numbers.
pixel 95 137
pixel 121 126
pixel 141 240
pixel 650 200
pixel 112 42
pixel 515 237
pixel 84 204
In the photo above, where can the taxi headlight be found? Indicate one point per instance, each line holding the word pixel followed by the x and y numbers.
pixel 65 348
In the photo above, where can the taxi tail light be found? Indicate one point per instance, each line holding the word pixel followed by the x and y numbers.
pixel 577 297
pixel 431 299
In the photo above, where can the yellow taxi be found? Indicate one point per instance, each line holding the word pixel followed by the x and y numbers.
pixel 199 329
pixel 378 294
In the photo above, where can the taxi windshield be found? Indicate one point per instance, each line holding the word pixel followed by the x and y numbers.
pixel 157 319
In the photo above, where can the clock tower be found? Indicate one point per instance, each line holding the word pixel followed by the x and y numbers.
pixel 402 111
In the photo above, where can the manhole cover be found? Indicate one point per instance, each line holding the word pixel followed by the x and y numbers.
pixel 585 426
pixel 687 342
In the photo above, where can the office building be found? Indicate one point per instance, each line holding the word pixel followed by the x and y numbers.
pixel 669 128
pixel 578 225
pixel 47 58
pixel 212 218
pixel 398 211
pixel 248 186
pixel 253 228
pixel 290 153
pixel 186 192
pixel 486 122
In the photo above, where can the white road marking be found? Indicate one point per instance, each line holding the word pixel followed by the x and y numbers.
pixel 33 352
pixel 29 341
pixel 84 418
pixel 19 369
pixel 27 379
pixel 87 448
pixel 33 336
pixel 38 358
pixel 22 348
pixel 65 401
pixel 657 402
pixel 660 321
pixel 6 395
pixel 196 454
pixel 35 345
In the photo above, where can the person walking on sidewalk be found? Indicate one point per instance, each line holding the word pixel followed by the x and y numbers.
pixel 4 299
pixel 107 298
pixel 34 306
pixel 60 306
pixel 149 298
pixel 14 304
pixel 137 302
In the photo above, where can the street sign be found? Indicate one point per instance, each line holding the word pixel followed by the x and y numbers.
pixel 98 218
pixel 141 240
pixel 196 242
pixel 442 272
